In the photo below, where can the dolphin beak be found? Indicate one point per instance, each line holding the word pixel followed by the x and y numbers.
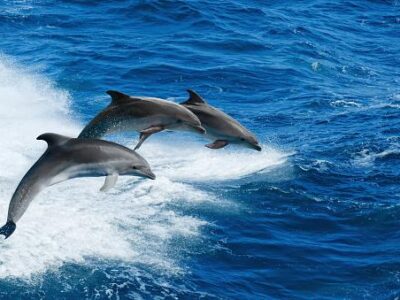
pixel 257 147
pixel 200 129
pixel 149 174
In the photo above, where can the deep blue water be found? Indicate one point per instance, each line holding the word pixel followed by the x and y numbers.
pixel 319 84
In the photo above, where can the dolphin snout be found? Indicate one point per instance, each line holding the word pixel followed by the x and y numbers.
pixel 257 147
pixel 149 174
pixel 200 129
pixel 144 172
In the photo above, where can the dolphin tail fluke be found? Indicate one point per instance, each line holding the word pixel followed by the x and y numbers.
pixel 8 229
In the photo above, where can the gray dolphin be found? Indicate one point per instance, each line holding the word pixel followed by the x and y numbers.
pixel 67 158
pixel 220 127
pixel 143 114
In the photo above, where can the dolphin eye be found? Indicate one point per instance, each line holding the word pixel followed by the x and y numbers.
pixel 179 121
pixel 134 167
pixel 242 139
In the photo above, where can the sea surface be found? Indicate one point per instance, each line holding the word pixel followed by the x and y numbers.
pixel 315 215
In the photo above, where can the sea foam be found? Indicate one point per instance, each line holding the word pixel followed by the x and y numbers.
pixel 73 221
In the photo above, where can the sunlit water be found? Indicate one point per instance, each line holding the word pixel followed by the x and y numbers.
pixel 315 214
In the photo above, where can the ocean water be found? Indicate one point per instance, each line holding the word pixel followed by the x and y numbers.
pixel 315 215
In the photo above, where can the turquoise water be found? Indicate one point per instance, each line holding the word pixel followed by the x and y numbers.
pixel 315 215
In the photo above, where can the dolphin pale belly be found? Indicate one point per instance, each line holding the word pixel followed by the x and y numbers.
pixel 143 114
pixel 221 128
pixel 67 158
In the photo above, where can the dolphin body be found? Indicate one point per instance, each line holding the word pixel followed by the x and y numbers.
pixel 220 127
pixel 67 158
pixel 143 114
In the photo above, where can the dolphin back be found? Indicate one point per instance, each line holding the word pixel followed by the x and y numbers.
pixel 219 125
pixel 96 128
pixel 194 99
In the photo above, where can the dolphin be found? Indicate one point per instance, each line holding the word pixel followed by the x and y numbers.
pixel 67 158
pixel 220 127
pixel 143 114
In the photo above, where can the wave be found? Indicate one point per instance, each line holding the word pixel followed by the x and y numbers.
pixel 73 221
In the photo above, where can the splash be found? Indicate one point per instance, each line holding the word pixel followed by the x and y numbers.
pixel 73 221
pixel 196 163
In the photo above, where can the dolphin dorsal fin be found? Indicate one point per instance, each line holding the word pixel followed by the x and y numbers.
pixel 118 97
pixel 53 139
pixel 194 98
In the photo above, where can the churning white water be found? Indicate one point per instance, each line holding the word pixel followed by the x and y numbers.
pixel 73 221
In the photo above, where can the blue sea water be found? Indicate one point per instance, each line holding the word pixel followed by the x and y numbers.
pixel 313 216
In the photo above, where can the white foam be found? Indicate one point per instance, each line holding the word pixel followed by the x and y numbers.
pixel 367 158
pixel 73 221
pixel 30 106
pixel 315 66
pixel 345 103
pixel 198 163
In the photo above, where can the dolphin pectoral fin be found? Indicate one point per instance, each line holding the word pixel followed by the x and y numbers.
pixel 144 134
pixel 110 182
pixel 8 229
pixel 143 137
pixel 218 144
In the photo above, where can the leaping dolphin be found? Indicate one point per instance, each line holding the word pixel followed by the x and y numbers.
pixel 220 127
pixel 67 158
pixel 143 114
